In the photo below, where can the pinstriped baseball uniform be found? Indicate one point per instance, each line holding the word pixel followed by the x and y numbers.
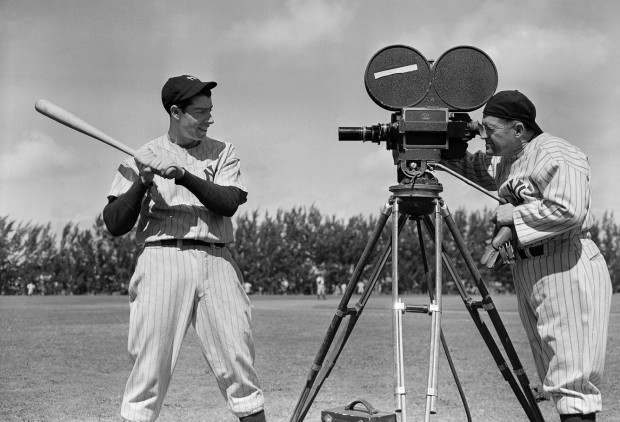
pixel 173 287
pixel 564 294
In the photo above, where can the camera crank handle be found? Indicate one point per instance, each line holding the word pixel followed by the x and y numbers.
pixel 469 182
pixel 503 235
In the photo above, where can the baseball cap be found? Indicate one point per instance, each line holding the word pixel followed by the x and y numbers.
pixel 512 105
pixel 179 88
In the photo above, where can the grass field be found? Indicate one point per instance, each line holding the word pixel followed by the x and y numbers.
pixel 63 358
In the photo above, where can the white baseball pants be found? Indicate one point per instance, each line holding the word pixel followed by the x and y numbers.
pixel 564 302
pixel 171 288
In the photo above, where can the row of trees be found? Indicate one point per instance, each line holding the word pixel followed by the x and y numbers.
pixel 79 261
pixel 288 248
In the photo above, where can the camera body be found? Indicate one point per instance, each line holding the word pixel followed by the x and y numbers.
pixel 416 133
pixel 430 102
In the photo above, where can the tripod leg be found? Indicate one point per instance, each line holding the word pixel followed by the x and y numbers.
pixel 525 394
pixel 444 343
pixel 435 309
pixel 489 306
pixel 303 404
pixel 354 314
pixel 486 335
pixel 398 307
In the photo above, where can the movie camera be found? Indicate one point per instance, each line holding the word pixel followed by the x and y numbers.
pixel 430 101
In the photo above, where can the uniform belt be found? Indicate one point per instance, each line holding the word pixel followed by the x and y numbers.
pixel 531 252
pixel 184 242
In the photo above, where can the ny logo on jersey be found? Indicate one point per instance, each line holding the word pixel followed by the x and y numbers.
pixel 210 172
pixel 517 190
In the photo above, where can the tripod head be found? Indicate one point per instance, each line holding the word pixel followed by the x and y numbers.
pixel 430 102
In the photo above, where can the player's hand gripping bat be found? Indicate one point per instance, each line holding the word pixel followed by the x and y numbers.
pixel 68 119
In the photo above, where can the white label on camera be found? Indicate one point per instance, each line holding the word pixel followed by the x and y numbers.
pixel 403 69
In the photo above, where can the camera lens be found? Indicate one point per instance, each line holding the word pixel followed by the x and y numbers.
pixel 359 133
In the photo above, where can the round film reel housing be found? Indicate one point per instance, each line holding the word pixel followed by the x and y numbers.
pixel 465 78
pixel 397 76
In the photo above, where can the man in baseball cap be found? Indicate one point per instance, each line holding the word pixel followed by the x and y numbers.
pixel 561 279
pixel 182 190
pixel 508 123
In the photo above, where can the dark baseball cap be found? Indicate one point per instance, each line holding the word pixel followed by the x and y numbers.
pixel 179 88
pixel 512 105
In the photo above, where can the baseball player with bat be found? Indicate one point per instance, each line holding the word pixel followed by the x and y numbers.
pixel 561 279
pixel 182 188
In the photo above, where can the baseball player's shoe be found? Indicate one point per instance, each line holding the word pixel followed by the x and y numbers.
pixel 578 418
pixel 255 417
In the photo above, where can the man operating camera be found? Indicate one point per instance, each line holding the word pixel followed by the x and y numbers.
pixel 561 279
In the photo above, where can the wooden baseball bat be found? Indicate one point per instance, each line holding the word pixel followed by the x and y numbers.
pixel 68 119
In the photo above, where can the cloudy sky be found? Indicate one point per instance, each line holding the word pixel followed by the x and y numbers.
pixel 289 73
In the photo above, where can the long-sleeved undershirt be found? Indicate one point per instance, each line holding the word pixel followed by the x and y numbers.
pixel 121 214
